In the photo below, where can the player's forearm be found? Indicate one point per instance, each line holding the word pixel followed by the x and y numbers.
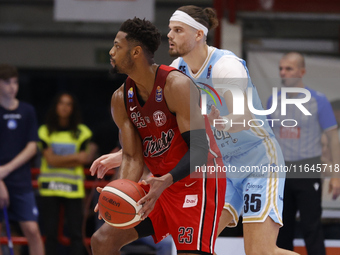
pixel 131 167
pixel 22 158
pixel 335 152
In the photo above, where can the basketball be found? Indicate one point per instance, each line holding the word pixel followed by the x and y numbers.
pixel 118 203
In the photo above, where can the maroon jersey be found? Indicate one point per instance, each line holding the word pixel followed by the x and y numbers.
pixel 163 145
pixel 195 197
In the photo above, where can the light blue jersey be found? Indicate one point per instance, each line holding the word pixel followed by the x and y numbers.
pixel 231 144
pixel 244 151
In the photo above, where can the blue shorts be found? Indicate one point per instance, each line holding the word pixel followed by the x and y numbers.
pixel 22 207
pixel 255 187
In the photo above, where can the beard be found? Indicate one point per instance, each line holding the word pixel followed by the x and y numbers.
pixel 125 66
pixel 175 54
pixel 114 70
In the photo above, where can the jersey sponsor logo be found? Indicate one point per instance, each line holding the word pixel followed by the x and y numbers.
pixel 156 147
pixel 209 72
pixel 147 119
pixel 60 186
pixel 189 185
pixel 159 94
pixel 223 135
pixel 190 201
pixel 290 132
pixel 12 124
pixel 130 94
pixel 253 186
pixel 132 108
pixel 12 116
pixel 182 69
pixel 159 118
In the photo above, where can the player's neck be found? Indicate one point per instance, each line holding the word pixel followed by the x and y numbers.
pixel 144 77
pixel 196 57
pixel 9 103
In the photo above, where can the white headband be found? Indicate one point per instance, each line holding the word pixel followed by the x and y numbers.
pixel 187 19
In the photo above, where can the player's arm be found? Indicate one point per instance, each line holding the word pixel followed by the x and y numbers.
pixel 182 98
pixel 132 151
pixel 23 157
pixel 130 157
pixel 334 146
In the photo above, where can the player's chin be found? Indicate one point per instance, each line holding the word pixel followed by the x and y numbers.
pixel 173 53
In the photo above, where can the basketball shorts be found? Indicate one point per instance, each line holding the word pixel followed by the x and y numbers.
pixel 189 210
pixel 255 189
pixel 22 207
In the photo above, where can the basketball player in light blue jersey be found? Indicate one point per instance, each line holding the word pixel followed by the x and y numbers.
pixel 247 142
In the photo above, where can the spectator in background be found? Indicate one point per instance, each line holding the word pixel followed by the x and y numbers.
pixel 326 157
pixel 18 144
pixel 301 146
pixel 336 109
pixel 64 142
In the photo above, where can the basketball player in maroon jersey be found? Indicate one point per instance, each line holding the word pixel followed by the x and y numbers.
pixel 158 114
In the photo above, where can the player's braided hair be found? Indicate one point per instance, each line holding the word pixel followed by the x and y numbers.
pixel 206 16
pixel 142 32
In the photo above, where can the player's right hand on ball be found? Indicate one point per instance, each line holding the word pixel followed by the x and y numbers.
pixel 96 209
pixel 106 162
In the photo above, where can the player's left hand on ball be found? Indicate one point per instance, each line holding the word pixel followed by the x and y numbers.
pixel 96 209
pixel 157 186
pixel 334 187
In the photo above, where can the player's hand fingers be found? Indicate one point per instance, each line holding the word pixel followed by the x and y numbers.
pixel 101 171
pixel 336 192
pixel 99 189
pixel 147 208
pixel 215 111
pixel 143 200
pixel 96 209
pixel 93 168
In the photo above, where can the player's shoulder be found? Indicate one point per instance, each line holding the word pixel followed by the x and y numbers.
pixel 118 95
pixel 176 80
pixel 320 97
pixel 176 62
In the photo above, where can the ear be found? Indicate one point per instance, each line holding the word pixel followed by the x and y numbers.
pixel 136 51
pixel 199 35
pixel 303 71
